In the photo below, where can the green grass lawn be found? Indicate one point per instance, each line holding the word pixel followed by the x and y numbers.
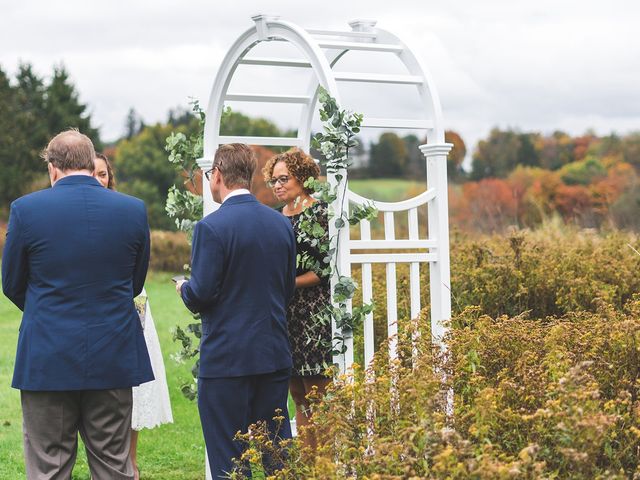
pixel 174 451
pixel 390 190
pixel 387 189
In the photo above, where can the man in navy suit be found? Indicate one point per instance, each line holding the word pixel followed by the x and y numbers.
pixel 75 257
pixel 242 278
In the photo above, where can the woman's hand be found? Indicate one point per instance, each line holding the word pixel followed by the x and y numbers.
pixel 306 280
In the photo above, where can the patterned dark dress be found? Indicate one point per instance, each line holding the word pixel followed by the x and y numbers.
pixel 310 339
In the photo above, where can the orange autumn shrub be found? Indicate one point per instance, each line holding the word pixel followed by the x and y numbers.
pixel 490 203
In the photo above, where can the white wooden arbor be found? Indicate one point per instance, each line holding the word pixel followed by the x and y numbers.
pixel 321 51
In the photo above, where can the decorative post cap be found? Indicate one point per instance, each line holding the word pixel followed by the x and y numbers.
pixel 432 149
pixel 362 25
pixel 264 17
pixel 261 23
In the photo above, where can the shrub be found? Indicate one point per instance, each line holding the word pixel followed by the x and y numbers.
pixel 533 398
pixel 548 272
pixel 567 385
pixel 549 393
pixel 551 271
pixel 170 251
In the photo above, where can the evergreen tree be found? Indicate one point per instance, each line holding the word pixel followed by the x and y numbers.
pixel 63 109
pixel 32 113
pixel 29 136
pixel 388 158
pixel 133 124
pixel 13 146
pixel 416 166
pixel 179 116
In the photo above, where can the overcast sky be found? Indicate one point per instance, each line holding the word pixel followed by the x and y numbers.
pixel 536 65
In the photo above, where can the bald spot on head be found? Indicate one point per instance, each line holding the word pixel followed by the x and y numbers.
pixel 70 151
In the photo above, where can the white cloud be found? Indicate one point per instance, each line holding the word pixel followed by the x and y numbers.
pixel 532 65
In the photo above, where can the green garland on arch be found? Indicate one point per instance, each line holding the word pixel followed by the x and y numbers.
pixel 340 128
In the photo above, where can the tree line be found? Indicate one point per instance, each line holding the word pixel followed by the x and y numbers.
pixel 32 110
pixel 392 156
pixel 526 179
pixel 515 178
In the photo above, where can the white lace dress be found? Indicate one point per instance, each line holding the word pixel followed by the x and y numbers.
pixel 151 404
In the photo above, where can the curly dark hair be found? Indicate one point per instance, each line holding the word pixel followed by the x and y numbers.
pixel 300 165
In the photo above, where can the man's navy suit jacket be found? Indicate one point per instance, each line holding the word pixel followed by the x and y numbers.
pixel 242 279
pixel 75 257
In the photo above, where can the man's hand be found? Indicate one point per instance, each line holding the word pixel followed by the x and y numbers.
pixel 179 284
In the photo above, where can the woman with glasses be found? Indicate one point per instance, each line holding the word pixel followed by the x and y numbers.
pixel 151 404
pixel 310 338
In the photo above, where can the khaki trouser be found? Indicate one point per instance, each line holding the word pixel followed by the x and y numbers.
pixel 52 420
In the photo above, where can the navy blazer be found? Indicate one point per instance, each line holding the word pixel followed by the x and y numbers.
pixel 242 279
pixel 75 257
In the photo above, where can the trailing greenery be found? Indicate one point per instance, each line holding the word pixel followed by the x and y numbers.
pixel 340 127
pixel 185 206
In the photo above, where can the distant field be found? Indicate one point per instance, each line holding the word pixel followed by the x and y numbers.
pixel 387 189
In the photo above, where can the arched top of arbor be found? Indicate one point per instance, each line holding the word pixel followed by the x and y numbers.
pixel 324 54
pixel 321 51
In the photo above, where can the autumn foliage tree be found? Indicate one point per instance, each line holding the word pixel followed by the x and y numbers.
pixel 456 156
pixel 488 204
pixel 587 180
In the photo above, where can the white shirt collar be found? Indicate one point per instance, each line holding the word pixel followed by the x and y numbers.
pixel 233 193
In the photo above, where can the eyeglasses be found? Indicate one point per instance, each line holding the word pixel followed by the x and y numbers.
pixel 282 179
pixel 209 172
